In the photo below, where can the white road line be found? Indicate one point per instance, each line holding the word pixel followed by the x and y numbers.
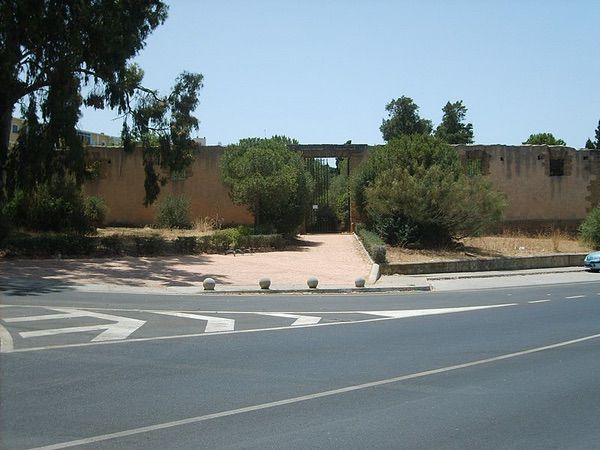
pixel 120 328
pixel 6 341
pixel 300 320
pixel 217 333
pixel 428 312
pixel 48 317
pixel 538 301
pixel 213 324
pixel 575 296
pixel 54 331
pixel 304 398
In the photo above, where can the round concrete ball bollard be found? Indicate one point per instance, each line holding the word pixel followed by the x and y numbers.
pixel 312 282
pixel 209 284
pixel 359 282
pixel 264 283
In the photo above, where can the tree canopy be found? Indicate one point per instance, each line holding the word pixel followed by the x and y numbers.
pixel 269 179
pixel 594 145
pixel 544 138
pixel 452 129
pixel 56 57
pixel 403 119
pixel 414 189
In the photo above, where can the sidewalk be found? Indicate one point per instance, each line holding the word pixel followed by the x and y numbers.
pixel 335 259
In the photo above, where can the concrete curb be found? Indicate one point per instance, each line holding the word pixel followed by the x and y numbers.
pixel 320 290
pixel 375 272
pixel 506 274
pixel 483 265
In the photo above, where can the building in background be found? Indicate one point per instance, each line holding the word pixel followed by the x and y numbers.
pixel 87 137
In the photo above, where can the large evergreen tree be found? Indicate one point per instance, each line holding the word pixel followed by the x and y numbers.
pixel 269 179
pixel 453 130
pixel 403 120
pixel 55 57
pixel 594 145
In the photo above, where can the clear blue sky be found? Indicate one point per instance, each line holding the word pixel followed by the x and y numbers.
pixel 323 71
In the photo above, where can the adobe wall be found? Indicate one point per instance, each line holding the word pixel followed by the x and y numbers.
pixel 121 184
pixel 538 192
pixel 537 196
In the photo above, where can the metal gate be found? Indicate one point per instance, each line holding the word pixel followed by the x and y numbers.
pixel 321 217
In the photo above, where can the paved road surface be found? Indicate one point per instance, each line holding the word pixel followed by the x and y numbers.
pixel 514 368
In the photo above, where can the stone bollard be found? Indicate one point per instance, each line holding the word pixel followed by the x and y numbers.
pixel 209 284
pixel 312 282
pixel 359 282
pixel 264 283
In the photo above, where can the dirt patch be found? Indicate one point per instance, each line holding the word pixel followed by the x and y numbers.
pixel 492 246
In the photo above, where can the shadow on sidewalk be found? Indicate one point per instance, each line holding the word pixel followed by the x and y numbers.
pixel 27 277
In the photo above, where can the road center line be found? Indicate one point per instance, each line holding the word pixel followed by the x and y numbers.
pixel 303 398
pixel 575 296
pixel 538 301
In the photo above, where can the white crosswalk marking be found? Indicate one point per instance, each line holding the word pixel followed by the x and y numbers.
pixel 300 320
pixel 213 324
pixel 120 328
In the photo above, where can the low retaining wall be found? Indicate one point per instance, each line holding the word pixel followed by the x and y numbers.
pixel 481 265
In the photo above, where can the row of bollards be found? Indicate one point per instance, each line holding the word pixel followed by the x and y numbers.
pixel 265 283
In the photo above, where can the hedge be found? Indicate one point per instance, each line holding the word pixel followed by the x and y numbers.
pixel 373 244
pixel 66 245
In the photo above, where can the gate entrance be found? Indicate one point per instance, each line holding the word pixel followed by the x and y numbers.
pixel 330 166
pixel 322 217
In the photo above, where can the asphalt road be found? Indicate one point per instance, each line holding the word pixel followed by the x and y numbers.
pixel 514 368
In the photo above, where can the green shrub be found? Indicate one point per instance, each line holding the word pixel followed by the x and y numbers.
pixel 148 246
pixel 186 245
pixel 589 231
pixel 54 206
pixel 51 245
pixel 113 245
pixel 413 189
pixel 226 239
pixel 373 244
pixel 95 211
pixel 5 225
pixel 255 241
pixel 173 212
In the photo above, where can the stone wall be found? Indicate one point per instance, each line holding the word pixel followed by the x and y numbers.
pixel 544 185
pixel 121 184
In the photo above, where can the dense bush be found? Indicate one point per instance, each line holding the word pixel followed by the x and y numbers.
pixel 589 230
pixel 173 212
pixel 413 190
pixel 373 244
pixel 149 245
pixel 54 206
pixel 51 245
pixel 269 179
pixel 95 211
pixel 339 195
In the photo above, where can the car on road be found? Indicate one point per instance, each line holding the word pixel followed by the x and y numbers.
pixel 592 261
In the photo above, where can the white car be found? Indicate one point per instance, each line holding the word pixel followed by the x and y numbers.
pixel 592 261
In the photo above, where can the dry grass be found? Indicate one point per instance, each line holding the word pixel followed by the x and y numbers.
pixel 201 226
pixel 505 244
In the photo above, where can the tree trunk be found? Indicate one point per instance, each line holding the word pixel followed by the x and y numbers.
pixel 5 126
